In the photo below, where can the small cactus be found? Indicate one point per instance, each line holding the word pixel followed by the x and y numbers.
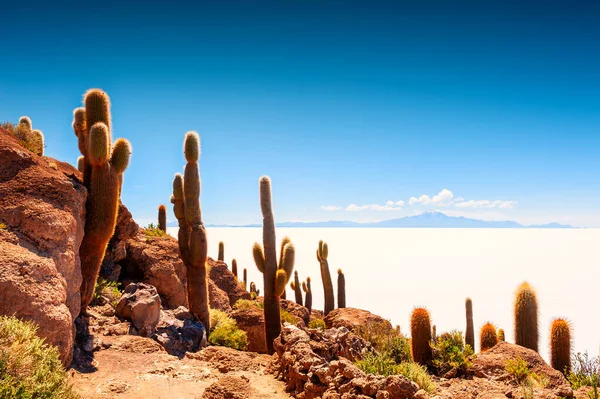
pixel 322 253
pixel 434 334
pixel 221 251
pixel 501 337
pixel 295 285
pixel 37 142
pixel 488 337
pixel 24 128
pixel 420 330
pixel 526 317
pixel 470 331
pixel 275 276
pixel 162 218
pixel 341 293
pixel 308 294
pixel 234 268
pixel 253 290
pixel 560 346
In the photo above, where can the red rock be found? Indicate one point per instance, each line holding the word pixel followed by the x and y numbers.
pixel 226 281
pixel 352 318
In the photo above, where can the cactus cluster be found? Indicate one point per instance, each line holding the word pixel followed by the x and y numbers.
pixel 307 294
pixel 470 331
pixel 526 317
pixel 295 285
pixel 322 253
pixel 420 331
pixel 487 336
pixel 341 292
pixel 560 346
pixel 103 166
pixel 221 256
pixel 32 139
pixel 192 234
pixel 275 276
pixel 254 290
pixel 162 218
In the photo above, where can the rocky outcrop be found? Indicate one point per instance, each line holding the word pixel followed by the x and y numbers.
pixel 116 251
pixel 299 311
pixel 226 281
pixel 352 318
pixel 218 298
pixel 42 216
pixel 310 374
pixel 252 321
pixel 140 303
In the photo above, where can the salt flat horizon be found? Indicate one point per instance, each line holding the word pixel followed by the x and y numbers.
pixel 389 271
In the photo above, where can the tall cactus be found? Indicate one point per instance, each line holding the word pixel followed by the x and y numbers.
pixel 322 253
pixel 295 285
pixel 234 268
pixel 501 336
pixel 192 235
pixel 420 331
pixel 308 294
pixel 526 317
pixel 560 345
pixel 162 218
pixel 81 131
pixel 221 251
pixel 24 128
pixel 470 331
pixel 37 142
pixel 104 182
pixel 245 279
pixel 488 337
pixel 275 276
pixel 341 292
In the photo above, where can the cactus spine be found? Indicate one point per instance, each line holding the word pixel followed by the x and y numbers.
pixel 275 276
pixel 487 337
pixel 234 268
pixel 295 285
pixel 162 218
pixel 560 346
pixel 501 337
pixel 308 295
pixel 526 317
pixel 470 331
pixel 104 179
pixel 221 251
pixel 322 253
pixel 192 235
pixel 341 293
pixel 420 331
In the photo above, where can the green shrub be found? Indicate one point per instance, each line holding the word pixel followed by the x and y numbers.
pixel 225 332
pixel 153 231
pixel 517 369
pixel 2 226
pixel 377 333
pixel 378 364
pixel 317 323
pixel 583 370
pixel 245 304
pixel 593 394
pixel 287 317
pixel 418 374
pixel 450 352
pixel 29 368
pixel 21 135
pixel 108 290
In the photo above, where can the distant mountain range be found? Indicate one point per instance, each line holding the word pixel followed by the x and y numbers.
pixel 425 219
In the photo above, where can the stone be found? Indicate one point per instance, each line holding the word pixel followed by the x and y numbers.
pixel 352 318
pixel 141 304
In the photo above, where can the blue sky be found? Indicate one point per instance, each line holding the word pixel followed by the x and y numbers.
pixel 346 105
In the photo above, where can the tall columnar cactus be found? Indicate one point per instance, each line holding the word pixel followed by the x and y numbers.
pixel 526 317
pixel 81 131
pixel 434 334
pixel 162 218
pixel 192 235
pixel 104 182
pixel 560 345
pixel 24 128
pixel 470 331
pixel 341 292
pixel 295 285
pixel 37 142
pixel 275 276
pixel 221 251
pixel 308 294
pixel 245 279
pixel 420 331
pixel 501 336
pixel 322 253
pixel 234 268
pixel 487 336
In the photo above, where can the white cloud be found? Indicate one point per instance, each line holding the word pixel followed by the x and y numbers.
pixel 443 198
pixel 486 204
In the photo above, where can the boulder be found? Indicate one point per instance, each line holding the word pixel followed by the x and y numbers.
pixel 42 211
pixel 252 321
pixel 226 281
pixel 352 318
pixel 179 333
pixel 230 387
pixel 140 303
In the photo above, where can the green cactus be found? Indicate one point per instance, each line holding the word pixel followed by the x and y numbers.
pixel 322 253
pixel 420 331
pixel 470 331
pixel 488 337
pixel 25 121
pixel 341 293
pixel 308 294
pixel 245 279
pixel 560 346
pixel 162 218
pixel 104 182
pixel 501 336
pixel 254 290
pixel 37 142
pixel 526 317
pixel 24 129
pixel 295 285
pixel 434 334
pixel 192 234
pixel 234 268
pixel 275 276
pixel 81 131
pixel 221 251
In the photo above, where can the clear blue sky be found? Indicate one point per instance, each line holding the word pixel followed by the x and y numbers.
pixel 342 103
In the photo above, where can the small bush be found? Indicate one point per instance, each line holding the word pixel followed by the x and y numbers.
pixel 29 368
pixel 517 369
pixel 418 374
pixel 3 226
pixel 20 134
pixel 593 394
pixel 287 317
pixel 317 323
pixel 225 332
pixel 378 364
pixel 106 290
pixel 377 333
pixel 450 352
pixel 584 369
pixel 153 231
